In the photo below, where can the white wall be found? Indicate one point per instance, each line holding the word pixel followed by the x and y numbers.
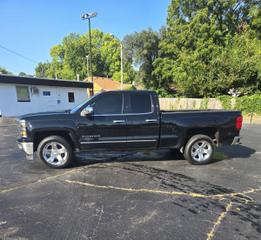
pixel 9 106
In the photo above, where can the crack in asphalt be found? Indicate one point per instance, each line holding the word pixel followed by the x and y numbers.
pixel 172 193
pixel 217 223
pixel 166 179
pixel 144 190
pixel 6 190
pixel 17 187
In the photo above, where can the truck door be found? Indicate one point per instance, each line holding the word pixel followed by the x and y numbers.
pixel 143 120
pixel 106 127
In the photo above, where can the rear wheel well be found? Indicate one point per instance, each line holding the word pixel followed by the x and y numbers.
pixel 210 132
pixel 38 137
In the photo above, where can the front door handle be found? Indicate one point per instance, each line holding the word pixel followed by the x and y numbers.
pixel 119 121
pixel 151 120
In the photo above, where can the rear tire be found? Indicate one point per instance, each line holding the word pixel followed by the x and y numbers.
pixel 199 150
pixel 55 152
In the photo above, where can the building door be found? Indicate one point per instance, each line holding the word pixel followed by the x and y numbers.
pixel 49 99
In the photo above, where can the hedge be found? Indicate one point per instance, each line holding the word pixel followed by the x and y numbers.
pixel 246 104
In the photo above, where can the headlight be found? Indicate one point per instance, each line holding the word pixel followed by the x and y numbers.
pixel 22 128
pixel 22 123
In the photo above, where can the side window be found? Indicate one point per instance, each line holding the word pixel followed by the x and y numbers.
pixel 139 102
pixel 110 103
pixel 71 97
pixel 22 93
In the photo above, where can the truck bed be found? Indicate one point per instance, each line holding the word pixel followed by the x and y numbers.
pixel 197 111
pixel 178 125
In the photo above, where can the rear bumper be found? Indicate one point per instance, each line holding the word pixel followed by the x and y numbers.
pixel 28 148
pixel 236 141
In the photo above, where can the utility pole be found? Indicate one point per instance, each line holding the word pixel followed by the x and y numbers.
pixel 88 73
pixel 122 77
pixel 88 16
pixel 90 40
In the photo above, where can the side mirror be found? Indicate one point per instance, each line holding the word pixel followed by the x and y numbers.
pixel 87 111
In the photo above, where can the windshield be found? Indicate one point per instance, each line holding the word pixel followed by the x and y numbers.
pixel 75 109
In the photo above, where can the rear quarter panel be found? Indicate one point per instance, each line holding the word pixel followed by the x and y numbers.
pixel 175 126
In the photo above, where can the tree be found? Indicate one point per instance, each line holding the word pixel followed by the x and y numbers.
pixel 69 57
pixel 141 49
pixel 239 65
pixel 4 71
pixel 23 74
pixel 42 70
pixel 198 36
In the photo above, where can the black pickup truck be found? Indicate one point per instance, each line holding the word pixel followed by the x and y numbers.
pixel 126 121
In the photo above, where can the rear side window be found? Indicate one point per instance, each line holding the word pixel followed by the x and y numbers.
pixel 139 103
pixel 110 103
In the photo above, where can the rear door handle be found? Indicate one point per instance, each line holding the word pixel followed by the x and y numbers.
pixel 151 120
pixel 119 121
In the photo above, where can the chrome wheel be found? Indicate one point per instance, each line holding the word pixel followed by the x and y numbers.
pixel 201 150
pixel 55 153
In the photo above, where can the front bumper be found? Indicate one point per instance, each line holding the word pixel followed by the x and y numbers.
pixel 236 141
pixel 28 148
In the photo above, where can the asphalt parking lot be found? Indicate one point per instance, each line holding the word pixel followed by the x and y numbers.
pixel 151 195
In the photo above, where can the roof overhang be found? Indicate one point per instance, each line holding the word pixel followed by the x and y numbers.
pixel 9 79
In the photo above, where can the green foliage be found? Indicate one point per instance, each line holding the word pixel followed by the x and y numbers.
pixel 246 104
pixel 226 102
pixel 206 49
pixel 209 47
pixel 69 58
pixel 204 104
pixel 141 49
pixel 130 88
pixel 249 104
pixel 162 93
pixel 22 74
pixel 4 71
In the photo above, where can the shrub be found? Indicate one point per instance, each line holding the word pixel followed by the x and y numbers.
pixel 249 104
pixel 246 104
pixel 226 102
pixel 204 104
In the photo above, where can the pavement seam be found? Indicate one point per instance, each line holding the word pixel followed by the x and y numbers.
pixel 210 235
pixel 220 197
pixel 6 190
pixel 173 193
pixel 196 195
pixel 218 222
pixel 38 181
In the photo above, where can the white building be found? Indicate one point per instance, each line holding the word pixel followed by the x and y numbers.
pixel 22 95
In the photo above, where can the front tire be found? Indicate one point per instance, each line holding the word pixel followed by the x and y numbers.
pixel 199 150
pixel 55 152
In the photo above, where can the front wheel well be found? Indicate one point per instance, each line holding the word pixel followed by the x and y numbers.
pixel 39 136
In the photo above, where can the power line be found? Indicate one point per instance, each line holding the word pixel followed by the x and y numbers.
pixel 18 54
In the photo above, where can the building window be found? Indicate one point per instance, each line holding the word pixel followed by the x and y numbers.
pixel 71 97
pixel 22 93
pixel 46 93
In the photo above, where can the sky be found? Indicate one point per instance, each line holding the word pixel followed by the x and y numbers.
pixel 31 27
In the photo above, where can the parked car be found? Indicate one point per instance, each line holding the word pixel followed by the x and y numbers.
pixel 126 121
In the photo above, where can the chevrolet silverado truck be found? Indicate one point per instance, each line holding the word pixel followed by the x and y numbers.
pixel 126 121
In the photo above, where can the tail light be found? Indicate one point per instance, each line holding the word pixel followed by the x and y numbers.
pixel 239 122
